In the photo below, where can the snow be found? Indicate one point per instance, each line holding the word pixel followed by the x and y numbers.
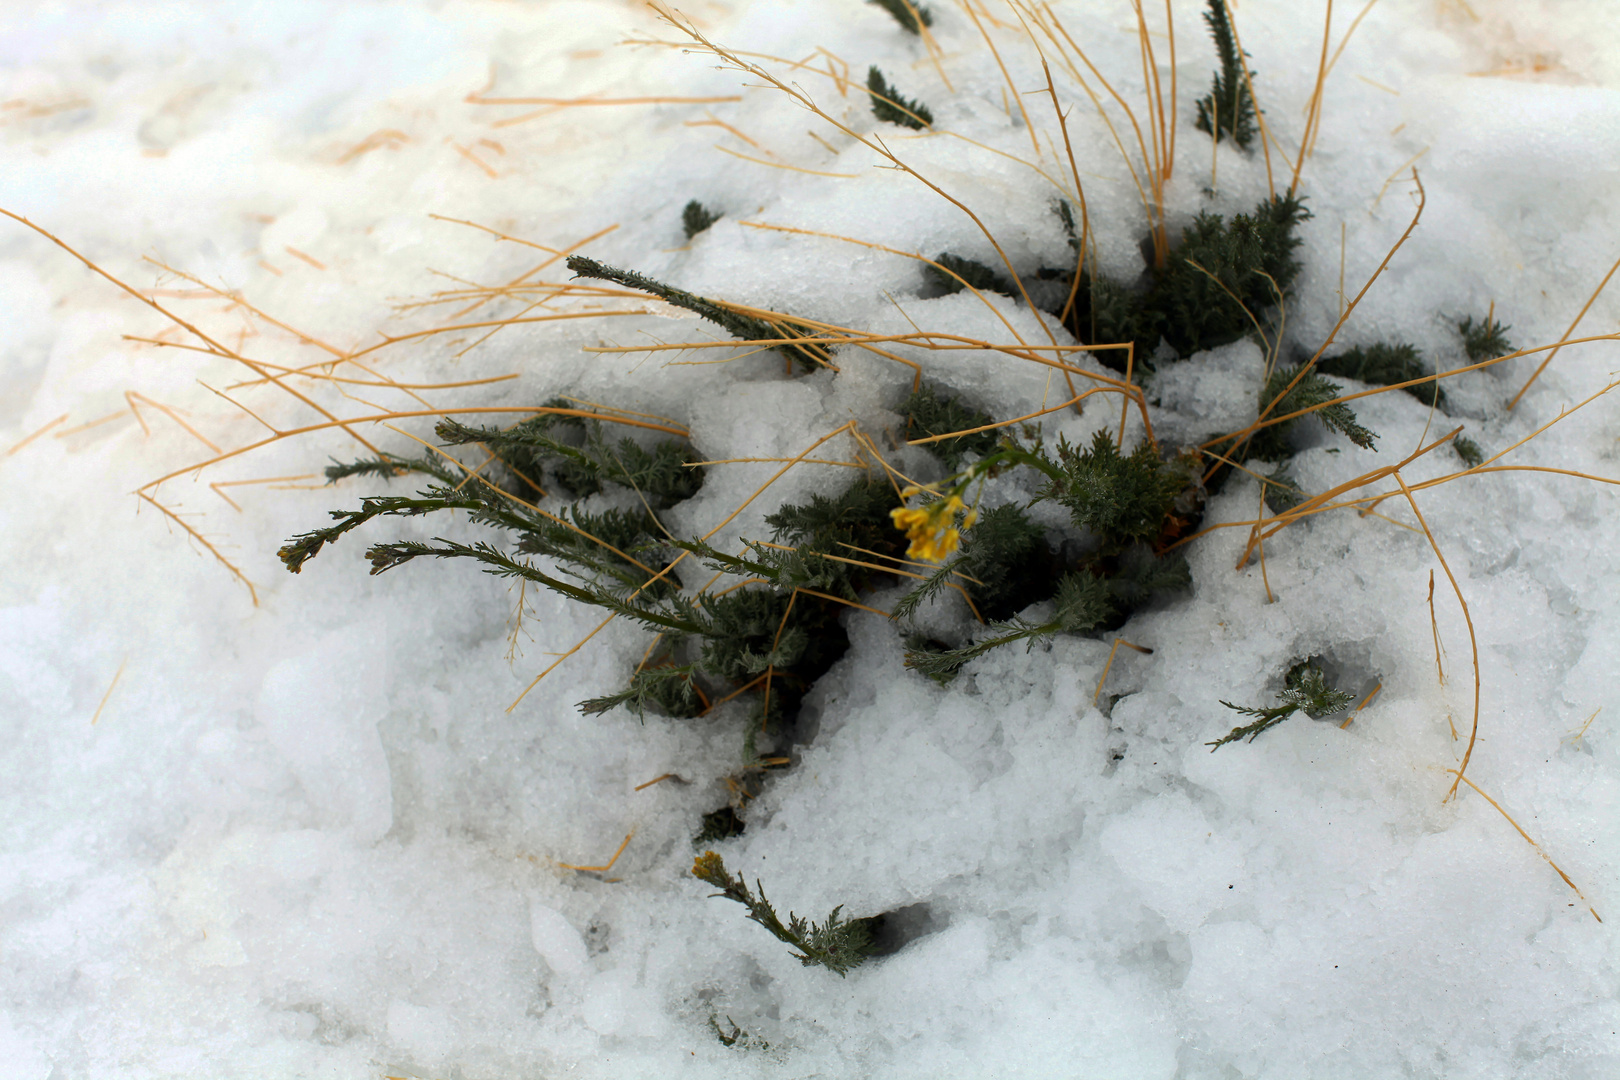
pixel 306 837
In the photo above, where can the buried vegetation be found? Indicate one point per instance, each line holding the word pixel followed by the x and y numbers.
pixel 1023 537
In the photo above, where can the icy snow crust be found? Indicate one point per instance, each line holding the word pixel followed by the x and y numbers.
pixel 304 839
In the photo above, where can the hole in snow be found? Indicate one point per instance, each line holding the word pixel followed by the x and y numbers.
pixel 894 930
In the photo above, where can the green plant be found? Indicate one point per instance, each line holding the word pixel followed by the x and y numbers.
pixel 1126 505
pixel 696 218
pixel 911 17
pixel 736 322
pixel 954 273
pixel 839 945
pixel 1469 451
pixel 1214 287
pixel 929 414
pixel 1083 602
pixel 889 107
pixel 1484 340
pixel 571 451
pixel 1282 491
pixel 1121 499
pixel 1225 274
pixel 1384 365
pixel 1227 111
pixel 1305 689
pixel 1308 390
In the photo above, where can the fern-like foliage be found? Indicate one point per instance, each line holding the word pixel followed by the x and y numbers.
pixel 1305 690
pixel 1227 111
pixel 1140 575
pixel 1084 601
pixel 889 107
pixel 619 549
pixel 669 688
pixel 955 273
pixel 746 327
pixel 696 218
pixel 828 549
pixel 912 17
pixel 385 467
pixel 1004 566
pixel 1121 499
pixel 1384 365
pixel 574 453
pixel 1006 563
pixel 1312 389
pixel 1223 278
pixel 929 413
pixel 1222 267
pixel 305 546
pixel 1484 340
pixel 1283 492
pixel 838 944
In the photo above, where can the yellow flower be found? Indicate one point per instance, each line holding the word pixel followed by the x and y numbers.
pixel 710 867
pixel 932 529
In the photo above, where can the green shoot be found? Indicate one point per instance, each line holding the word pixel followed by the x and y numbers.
pixel 576 455
pixel 1485 340
pixel 696 218
pixel 745 327
pixel 912 17
pixel 929 414
pixel 1084 601
pixel 1305 690
pixel 839 945
pixel 1312 389
pixel 968 272
pixel 1384 365
pixel 1227 111
pixel 889 107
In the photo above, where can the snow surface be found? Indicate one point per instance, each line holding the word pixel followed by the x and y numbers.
pixel 305 838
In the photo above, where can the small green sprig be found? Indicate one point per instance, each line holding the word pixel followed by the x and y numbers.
pixel 669 687
pixel 1084 601
pixel 839 945
pixel 696 218
pixel 577 455
pixel 1310 390
pixel 911 16
pixel 1305 690
pixel 1385 364
pixel 1227 111
pixel 1282 491
pixel 746 327
pixel 889 107
pixel 1484 340
pixel 955 273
